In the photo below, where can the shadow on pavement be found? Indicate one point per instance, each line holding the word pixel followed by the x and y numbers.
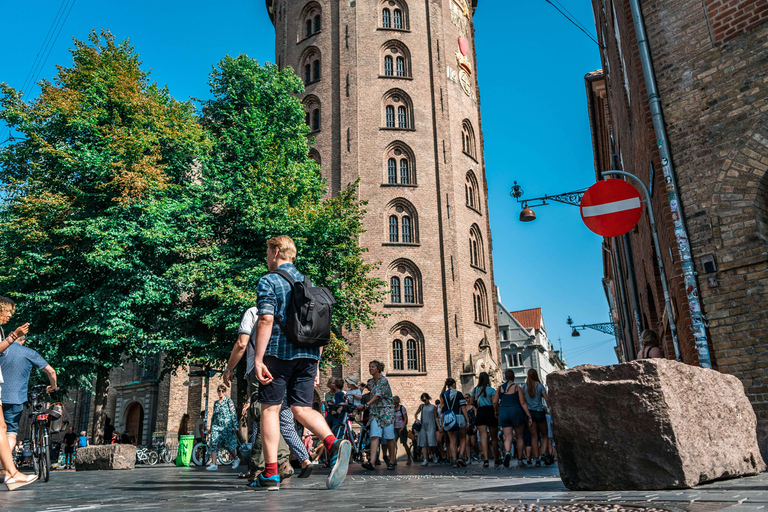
pixel 532 487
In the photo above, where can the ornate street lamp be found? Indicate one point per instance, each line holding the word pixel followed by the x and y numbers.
pixel 528 215
pixel 607 327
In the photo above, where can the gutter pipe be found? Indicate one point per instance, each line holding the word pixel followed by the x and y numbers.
pixel 692 289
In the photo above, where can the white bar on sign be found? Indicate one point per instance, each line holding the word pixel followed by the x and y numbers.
pixel 615 207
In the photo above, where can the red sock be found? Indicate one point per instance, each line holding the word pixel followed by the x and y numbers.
pixel 270 469
pixel 328 442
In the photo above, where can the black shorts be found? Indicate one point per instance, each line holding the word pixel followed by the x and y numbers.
pixel 403 434
pixel 538 416
pixel 294 376
pixel 486 417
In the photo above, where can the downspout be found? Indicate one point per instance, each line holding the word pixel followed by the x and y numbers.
pixel 681 235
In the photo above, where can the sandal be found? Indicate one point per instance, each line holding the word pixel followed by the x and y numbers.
pixel 12 483
pixel 390 466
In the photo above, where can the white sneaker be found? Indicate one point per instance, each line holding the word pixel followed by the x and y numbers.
pixel 212 467
pixel 236 464
pixel 425 463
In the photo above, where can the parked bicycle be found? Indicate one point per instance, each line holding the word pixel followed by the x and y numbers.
pixel 361 440
pixel 165 454
pixel 200 455
pixel 39 438
pixel 146 456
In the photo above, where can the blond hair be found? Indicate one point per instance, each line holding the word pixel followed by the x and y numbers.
pixel 285 245
pixel 649 338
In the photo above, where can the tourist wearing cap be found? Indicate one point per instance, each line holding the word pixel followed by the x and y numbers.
pixel 354 395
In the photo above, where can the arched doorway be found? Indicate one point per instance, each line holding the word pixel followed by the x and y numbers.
pixel 134 421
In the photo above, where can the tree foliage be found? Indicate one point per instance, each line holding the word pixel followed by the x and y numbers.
pixel 134 224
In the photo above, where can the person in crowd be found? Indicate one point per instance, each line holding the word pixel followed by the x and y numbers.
pixel 183 426
pixel 245 345
pixel 486 420
pixel 16 363
pixel 427 415
pixel 223 429
pixel 651 345
pixel 125 438
pixel 513 414
pixel 280 366
pixel 70 440
pixel 382 417
pixel 534 391
pixel 354 391
pixel 115 438
pixel 457 437
pixel 335 406
pixel 440 454
pixel 109 429
pixel 82 441
pixel 401 430
pixel 552 455
pixel 199 432
pixel 471 444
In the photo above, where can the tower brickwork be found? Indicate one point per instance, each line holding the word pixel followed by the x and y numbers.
pixel 392 99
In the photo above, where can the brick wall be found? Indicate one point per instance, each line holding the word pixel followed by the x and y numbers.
pixel 730 18
pixel 715 102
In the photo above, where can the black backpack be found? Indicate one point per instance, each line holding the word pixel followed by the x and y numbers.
pixel 308 315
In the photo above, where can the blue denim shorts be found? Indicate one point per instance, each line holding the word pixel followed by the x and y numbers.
pixel 12 415
pixel 511 416
pixel 385 433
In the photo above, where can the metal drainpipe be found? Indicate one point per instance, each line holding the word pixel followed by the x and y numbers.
pixel 684 248
pixel 662 272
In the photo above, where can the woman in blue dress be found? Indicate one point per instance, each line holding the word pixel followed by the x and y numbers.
pixel 223 429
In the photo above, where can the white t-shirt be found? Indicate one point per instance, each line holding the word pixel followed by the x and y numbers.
pixel 246 327
pixel 354 396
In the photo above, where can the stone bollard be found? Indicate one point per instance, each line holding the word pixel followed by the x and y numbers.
pixel 651 424
pixel 107 456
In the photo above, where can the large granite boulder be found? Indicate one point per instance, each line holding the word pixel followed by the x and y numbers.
pixel 107 456
pixel 651 424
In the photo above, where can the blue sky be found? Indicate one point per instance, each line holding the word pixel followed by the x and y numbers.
pixel 531 65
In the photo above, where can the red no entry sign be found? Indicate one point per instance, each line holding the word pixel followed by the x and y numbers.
pixel 611 207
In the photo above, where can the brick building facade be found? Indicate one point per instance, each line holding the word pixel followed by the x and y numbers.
pixel 392 98
pixel 710 60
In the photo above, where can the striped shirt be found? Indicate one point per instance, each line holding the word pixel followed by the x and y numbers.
pixel 274 292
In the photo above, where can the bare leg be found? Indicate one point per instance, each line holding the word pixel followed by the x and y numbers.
pixel 494 433
pixel 392 449
pixel 519 436
pixel 374 450
pixel 452 444
pixel 508 438
pixel 214 458
pixel 462 441
pixel 484 441
pixel 5 453
pixel 270 431
pixel 535 440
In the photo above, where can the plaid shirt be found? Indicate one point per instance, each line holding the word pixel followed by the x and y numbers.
pixel 274 292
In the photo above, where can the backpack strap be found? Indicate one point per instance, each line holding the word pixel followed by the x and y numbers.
pixel 285 275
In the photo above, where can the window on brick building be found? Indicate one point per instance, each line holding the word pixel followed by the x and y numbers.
pixel 315 155
pixel 316 120
pixel 408 348
pixel 316 67
pixel 472 191
pixel 468 142
pixel 396 58
pixel 406 272
pixel 402 221
pixel 310 63
pixel 386 18
pixel 399 155
pixel 476 249
pixel 480 296
pixel 394 14
pixel 312 108
pixel 397 99
pixel 397 16
pixel 311 19
pixel 397 354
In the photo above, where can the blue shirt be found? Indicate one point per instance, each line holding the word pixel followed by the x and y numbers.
pixel 16 363
pixel 273 294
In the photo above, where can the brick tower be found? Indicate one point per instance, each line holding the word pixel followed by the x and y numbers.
pixel 392 98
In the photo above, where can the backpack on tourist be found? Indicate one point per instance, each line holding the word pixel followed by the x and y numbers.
pixel 308 316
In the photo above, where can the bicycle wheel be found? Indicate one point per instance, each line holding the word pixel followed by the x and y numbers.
pixel 167 456
pixel 154 458
pixel 225 458
pixel 200 454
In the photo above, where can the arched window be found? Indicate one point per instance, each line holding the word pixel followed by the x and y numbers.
pixel 476 249
pixel 392 171
pixel 399 155
pixel 310 63
pixel 386 21
pixel 308 31
pixel 393 237
pixel 406 227
pixel 408 293
pixel 390 116
pixel 398 18
pixel 314 155
pixel 481 303
pixel 402 221
pixel 397 354
pixel 472 191
pixel 316 120
pixel 412 355
pixel 406 272
pixel 309 21
pixel 317 23
pixel 394 14
pixel 468 144
pixel 396 58
pixel 312 108
pixel 397 98
pixel 394 290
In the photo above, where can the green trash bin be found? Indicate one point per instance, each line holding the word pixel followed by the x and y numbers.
pixel 184 455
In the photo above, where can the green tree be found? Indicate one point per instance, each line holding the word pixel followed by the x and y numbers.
pixel 99 205
pixel 259 182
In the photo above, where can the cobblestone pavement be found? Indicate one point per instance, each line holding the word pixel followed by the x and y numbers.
pixel 434 488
